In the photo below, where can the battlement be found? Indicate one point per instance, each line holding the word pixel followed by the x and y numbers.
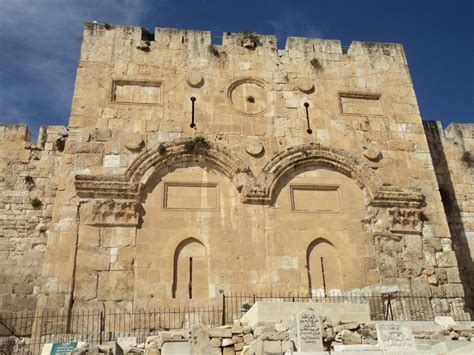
pixel 21 133
pixel 173 38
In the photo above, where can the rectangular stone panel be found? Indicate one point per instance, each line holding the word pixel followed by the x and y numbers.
pixel 137 92
pixel 199 196
pixel 360 104
pixel 315 198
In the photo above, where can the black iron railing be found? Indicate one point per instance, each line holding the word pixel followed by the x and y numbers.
pixel 28 331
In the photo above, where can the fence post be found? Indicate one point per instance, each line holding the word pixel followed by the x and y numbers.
pixel 223 310
pixel 101 326
pixel 389 308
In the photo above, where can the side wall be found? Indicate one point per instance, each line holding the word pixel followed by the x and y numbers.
pixel 452 151
pixel 27 191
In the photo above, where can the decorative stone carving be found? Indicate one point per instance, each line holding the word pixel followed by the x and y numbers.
pixel 134 141
pixel 394 336
pixel 305 85
pixel 110 212
pixel 249 96
pixel 254 147
pixel 249 40
pixel 194 79
pixel 255 189
pixel 405 220
pixel 372 153
pixel 129 185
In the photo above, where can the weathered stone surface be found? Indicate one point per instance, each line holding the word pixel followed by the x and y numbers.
pixel 133 141
pixel 115 286
pixel 377 223
pixel 309 331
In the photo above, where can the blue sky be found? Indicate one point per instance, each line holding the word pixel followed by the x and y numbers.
pixel 40 42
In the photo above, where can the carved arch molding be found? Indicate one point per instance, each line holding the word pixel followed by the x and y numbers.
pixel 254 188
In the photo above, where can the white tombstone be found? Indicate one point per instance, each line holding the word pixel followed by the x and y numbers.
pixel 395 336
pixel 126 343
pixel 176 348
pixel 309 331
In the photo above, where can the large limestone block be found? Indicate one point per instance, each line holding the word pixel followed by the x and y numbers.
pixel 266 313
pixel 115 285
pixel 177 348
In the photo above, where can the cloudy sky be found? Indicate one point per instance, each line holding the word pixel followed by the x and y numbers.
pixel 40 42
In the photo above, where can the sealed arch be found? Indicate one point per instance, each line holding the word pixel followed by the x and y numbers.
pixel 130 184
pixel 318 155
pixel 323 266
pixel 262 190
pixel 190 270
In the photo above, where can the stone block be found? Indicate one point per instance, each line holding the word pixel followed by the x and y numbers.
pixel 115 286
pixel 181 348
pixel 220 332
pixel 266 313
pixel 273 347
pixel 86 286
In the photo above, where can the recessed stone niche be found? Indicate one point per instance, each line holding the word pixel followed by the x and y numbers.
pixel 194 196
pixel 137 92
pixel 360 104
pixel 249 96
pixel 315 198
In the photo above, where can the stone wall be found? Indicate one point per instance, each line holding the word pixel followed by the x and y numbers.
pixel 452 153
pixel 27 192
pixel 193 169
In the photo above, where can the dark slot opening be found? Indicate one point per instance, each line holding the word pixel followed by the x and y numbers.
pixel 147 35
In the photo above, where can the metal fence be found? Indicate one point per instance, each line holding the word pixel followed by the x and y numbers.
pixel 27 331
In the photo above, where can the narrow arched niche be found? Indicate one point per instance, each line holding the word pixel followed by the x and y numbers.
pixel 323 265
pixel 190 270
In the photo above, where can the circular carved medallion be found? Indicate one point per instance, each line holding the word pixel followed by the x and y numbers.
pixel 305 85
pixel 194 79
pixel 133 141
pixel 254 147
pixel 249 96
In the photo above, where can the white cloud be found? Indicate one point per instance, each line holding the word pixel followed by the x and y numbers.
pixel 39 49
pixel 294 24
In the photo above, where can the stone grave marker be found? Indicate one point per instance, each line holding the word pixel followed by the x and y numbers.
pixel 309 332
pixel 126 343
pixel 395 336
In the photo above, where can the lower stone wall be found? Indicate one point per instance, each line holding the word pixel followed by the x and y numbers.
pixel 452 152
pixel 27 191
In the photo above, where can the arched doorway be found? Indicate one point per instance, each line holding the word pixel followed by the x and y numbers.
pixel 324 271
pixel 190 270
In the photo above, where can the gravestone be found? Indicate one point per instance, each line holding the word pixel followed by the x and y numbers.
pixel 395 336
pixel 126 343
pixel 176 348
pixel 200 340
pixel 309 332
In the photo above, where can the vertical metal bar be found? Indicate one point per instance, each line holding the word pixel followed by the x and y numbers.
pixel 192 125
pixel 190 285
pixel 322 272
pixel 309 130
pixel 223 310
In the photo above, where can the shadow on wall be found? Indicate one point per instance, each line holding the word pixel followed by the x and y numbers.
pixel 453 211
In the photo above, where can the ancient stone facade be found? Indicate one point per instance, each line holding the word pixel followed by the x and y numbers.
pixel 190 169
